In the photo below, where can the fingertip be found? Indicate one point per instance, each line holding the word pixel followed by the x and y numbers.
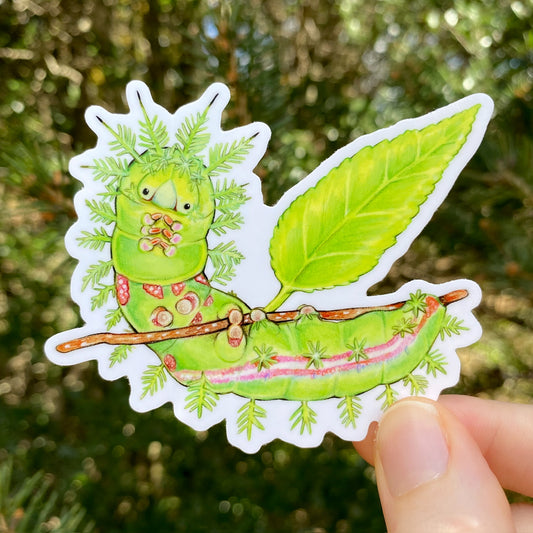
pixel 431 474
pixel 366 447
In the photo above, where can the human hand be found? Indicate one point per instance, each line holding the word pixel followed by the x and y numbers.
pixel 442 466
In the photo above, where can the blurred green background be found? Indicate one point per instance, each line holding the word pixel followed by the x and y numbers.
pixel 320 73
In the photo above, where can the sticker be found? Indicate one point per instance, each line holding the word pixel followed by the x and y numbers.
pixel 232 310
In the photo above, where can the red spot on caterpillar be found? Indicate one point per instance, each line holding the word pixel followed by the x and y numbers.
pixel 177 288
pixel 197 319
pixel 156 216
pixel 168 220
pixel 234 343
pixel 208 301
pixel 154 231
pixel 200 278
pixel 170 362
pixel 167 233
pixel 123 289
pixel 153 290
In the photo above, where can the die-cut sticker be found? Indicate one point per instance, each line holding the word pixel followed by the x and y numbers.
pixel 233 310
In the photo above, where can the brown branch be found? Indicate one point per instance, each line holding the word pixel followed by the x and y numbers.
pixel 222 324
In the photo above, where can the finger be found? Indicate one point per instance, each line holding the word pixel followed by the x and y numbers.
pixel 365 448
pixel 523 517
pixel 504 433
pixel 432 476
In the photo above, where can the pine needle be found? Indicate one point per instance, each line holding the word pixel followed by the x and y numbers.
pixel 101 211
pixel 389 396
pixel 153 379
pixel 351 409
pixel 154 134
pixel 304 416
pixel 250 413
pixel 109 169
pixel 119 354
pixel 113 317
pixel 125 140
pixel 94 241
pixel 223 155
pixel 95 273
pixel 103 292
pixel 193 136
pixel 201 396
pixel 226 221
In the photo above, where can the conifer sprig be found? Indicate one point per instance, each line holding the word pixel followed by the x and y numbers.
pixel 434 362
pixel 389 396
pixel 96 240
pixel 230 197
pixel 250 413
pixel 103 292
pixel 109 170
pixel 192 135
pixel 153 379
pixel 124 140
pixel 101 211
pixel 223 274
pixel 451 326
pixel 226 221
pixel 304 417
pixel 111 192
pixel 119 354
pixel 224 257
pixel 225 253
pixel 351 408
pixel 417 383
pixel 201 396
pixel 113 317
pixel 95 273
pixel 154 134
pixel 223 156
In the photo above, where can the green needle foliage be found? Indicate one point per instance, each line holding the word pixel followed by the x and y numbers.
pixel 201 396
pixel 303 418
pixel 31 506
pixel 153 379
pixel 249 415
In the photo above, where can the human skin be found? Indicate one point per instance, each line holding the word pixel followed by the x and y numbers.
pixel 443 466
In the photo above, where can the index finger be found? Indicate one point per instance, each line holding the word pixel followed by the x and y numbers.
pixel 503 431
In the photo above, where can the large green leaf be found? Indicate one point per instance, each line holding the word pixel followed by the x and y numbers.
pixel 337 231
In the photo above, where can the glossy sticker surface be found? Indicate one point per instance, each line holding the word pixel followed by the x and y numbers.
pixel 233 310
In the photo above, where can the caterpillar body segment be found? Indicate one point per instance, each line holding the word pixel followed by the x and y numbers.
pixel 312 375
pixel 306 359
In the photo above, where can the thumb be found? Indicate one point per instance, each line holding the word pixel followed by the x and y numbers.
pixel 432 476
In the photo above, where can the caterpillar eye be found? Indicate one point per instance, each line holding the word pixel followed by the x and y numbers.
pixel 186 206
pixel 146 192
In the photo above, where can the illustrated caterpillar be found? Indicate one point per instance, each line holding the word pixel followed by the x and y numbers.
pixel 164 196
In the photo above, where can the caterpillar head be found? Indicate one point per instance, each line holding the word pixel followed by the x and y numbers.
pixel 175 185
pixel 166 203
pixel 165 208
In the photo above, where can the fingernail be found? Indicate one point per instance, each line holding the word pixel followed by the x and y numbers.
pixel 411 446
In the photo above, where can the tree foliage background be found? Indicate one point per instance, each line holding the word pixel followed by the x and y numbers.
pixel 320 73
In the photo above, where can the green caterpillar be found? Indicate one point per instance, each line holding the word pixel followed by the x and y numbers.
pixel 167 196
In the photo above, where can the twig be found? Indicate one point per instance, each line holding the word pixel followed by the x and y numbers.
pixel 222 324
